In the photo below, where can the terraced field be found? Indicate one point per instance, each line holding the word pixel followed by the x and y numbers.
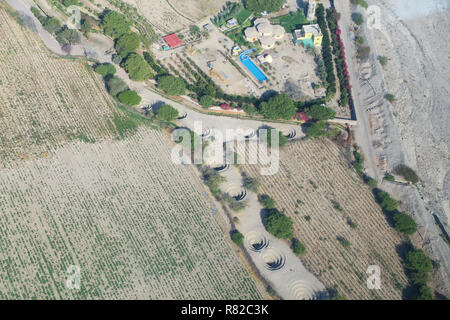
pixel 135 224
pixel 327 202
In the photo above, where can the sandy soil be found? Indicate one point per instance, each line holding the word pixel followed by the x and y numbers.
pixel 413 130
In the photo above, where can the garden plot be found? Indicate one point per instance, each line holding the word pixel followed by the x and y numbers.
pixel 137 225
pixel 327 202
pixel 45 100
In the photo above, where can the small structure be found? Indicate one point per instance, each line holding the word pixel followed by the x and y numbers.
pixel 265 58
pixel 173 40
pixel 266 33
pixel 208 27
pixel 311 15
pixel 232 22
pixel 308 36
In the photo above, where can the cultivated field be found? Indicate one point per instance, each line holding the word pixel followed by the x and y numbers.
pixel 137 225
pixel 324 197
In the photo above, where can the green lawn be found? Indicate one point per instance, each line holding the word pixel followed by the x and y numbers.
pixel 291 21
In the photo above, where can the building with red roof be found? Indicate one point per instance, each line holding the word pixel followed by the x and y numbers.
pixel 173 40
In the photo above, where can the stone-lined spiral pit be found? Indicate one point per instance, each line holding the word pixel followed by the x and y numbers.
pixel 273 259
pixel 241 196
pixel 256 242
pixel 222 168
pixel 292 134
pixel 304 290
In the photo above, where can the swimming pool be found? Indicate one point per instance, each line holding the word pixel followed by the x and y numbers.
pixel 248 63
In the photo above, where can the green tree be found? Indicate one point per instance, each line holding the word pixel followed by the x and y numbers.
pixel 419 265
pixel 167 112
pixel 357 18
pixel 383 60
pixel 264 5
pixel 385 200
pixel 322 113
pixel 280 106
pixel 390 97
pixel 371 182
pixel 127 43
pixel 105 69
pixel 298 247
pixel 115 86
pixel 51 25
pixel 407 173
pixel 251 184
pixel 137 68
pixel 404 224
pixel 173 86
pixel 66 36
pixel 267 137
pixel 316 129
pixel 266 201
pixel 206 101
pixel 423 293
pixel 278 224
pixel 237 237
pixel 129 97
pixel 115 24
pixel 213 180
pixel 85 27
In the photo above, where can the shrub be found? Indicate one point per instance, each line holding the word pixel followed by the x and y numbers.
pixel 407 173
pixel 278 224
pixel 115 86
pixel 345 243
pixel 129 97
pixel 266 137
pixel 404 224
pixel 213 180
pixel 298 247
pixel 249 109
pixel 51 25
pixel 390 97
pixel 316 129
pixel 105 69
pixel 280 106
pixel 383 60
pixel 66 36
pixel 322 113
pixel 173 86
pixel 206 101
pixel 357 18
pixel 384 199
pixel 167 112
pixel 266 201
pixel 371 182
pixel 423 293
pixel 136 67
pixel 251 184
pixel 237 237
pixel 127 43
pixel 389 177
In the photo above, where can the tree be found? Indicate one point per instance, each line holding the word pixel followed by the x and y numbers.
pixel 383 60
pixel 264 5
pixel 385 200
pixel 127 43
pixel 357 18
pixel 115 24
pixel 85 27
pixel 316 129
pixel 249 109
pixel 206 101
pixel 116 85
pixel 423 293
pixel 404 224
pixel 407 173
pixel 278 224
pixel 105 69
pixel 237 237
pixel 129 97
pixel 173 86
pixel 137 68
pixel 322 113
pixel 280 106
pixel 212 180
pixel 298 247
pixel 66 36
pixel 251 184
pixel 267 137
pixel 390 97
pixel 51 25
pixel 193 29
pixel 266 201
pixel 167 112
pixel 419 265
pixel 371 182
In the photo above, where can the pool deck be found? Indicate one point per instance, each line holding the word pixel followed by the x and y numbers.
pixel 251 66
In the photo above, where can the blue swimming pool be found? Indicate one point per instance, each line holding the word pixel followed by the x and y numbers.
pixel 248 63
